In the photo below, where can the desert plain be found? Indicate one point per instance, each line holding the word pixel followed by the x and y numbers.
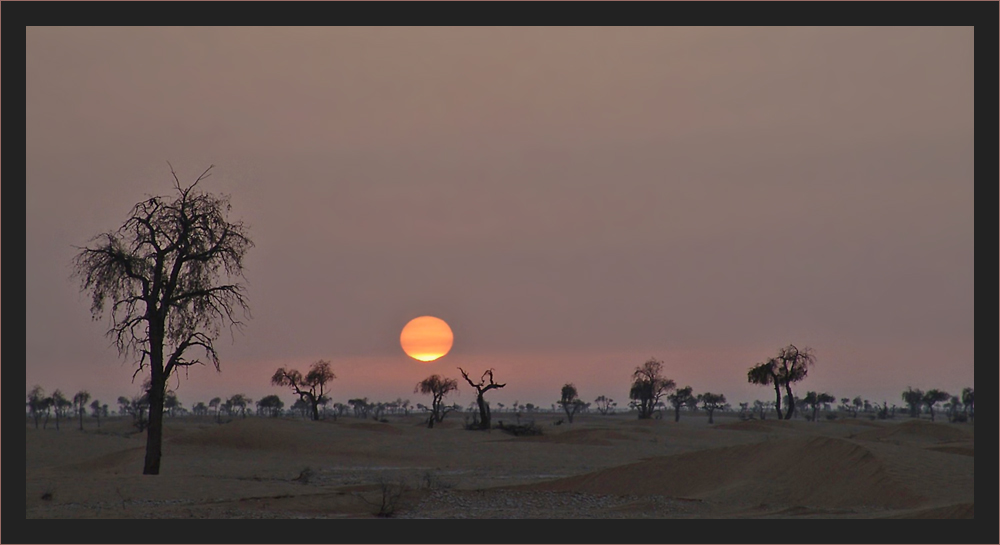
pixel 600 466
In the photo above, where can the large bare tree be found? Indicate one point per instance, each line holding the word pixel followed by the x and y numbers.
pixel 481 388
pixel 165 278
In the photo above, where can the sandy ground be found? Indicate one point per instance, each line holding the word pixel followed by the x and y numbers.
pixel 598 467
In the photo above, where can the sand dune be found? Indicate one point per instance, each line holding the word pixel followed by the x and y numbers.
pixel 593 437
pixel 813 472
pixel 918 431
pixel 597 467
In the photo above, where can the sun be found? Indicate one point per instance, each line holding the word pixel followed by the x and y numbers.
pixel 426 338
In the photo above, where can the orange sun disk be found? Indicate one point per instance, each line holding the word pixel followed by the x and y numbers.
pixel 426 338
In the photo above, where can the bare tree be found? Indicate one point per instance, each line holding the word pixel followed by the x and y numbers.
pixel 570 401
pixel 481 388
pixel 648 386
pixel 311 387
pixel 679 399
pixel 437 387
pixel 712 402
pixel 605 404
pixel 164 273
pixel 80 404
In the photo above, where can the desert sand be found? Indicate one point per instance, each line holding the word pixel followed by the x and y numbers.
pixel 611 466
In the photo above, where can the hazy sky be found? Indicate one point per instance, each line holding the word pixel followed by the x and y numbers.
pixel 572 201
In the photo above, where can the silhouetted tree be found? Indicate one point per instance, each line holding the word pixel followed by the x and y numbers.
pixel 200 409
pixel 932 398
pixel 711 402
pixel 360 406
pixel 170 402
pixel 679 399
pixel 270 405
pixel 36 403
pixel 214 404
pixel 605 404
pixel 238 404
pixel 437 387
pixel 80 404
pixel 969 402
pixel 60 405
pixel 814 400
pixel 766 374
pixel 570 401
pixel 793 366
pixel 302 407
pixel 914 399
pixel 481 388
pixel 96 410
pixel 310 388
pixel 648 386
pixel 163 274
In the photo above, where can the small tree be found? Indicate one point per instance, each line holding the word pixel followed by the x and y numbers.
pixel 437 387
pixel 164 273
pixel 238 404
pixel 311 388
pixel 270 405
pixel 679 399
pixel 214 404
pixel 60 405
pixel 570 401
pixel 969 402
pixel 814 400
pixel 200 409
pixel 711 402
pixel 481 388
pixel 36 403
pixel 96 410
pixel 914 399
pixel 170 403
pixel 766 374
pixel 648 386
pixel 80 400
pixel 933 397
pixel 605 405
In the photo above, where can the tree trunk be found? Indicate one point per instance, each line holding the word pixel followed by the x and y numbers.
pixel 154 433
pixel 777 395
pixel 791 402
pixel 677 413
pixel 484 413
pixel 710 421
pixel 315 408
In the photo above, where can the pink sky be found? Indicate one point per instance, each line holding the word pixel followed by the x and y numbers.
pixel 571 201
